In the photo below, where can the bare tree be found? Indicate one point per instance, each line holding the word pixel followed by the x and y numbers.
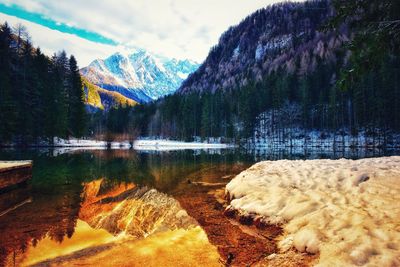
pixel 21 33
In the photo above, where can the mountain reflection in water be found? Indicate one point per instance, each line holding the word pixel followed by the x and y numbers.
pixel 112 208
pixel 87 205
pixel 137 211
pixel 118 217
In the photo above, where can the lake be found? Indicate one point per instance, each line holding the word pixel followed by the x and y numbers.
pixel 125 207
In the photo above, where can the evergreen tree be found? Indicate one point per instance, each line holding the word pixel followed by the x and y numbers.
pixel 7 101
pixel 206 114
pixel 76 116
pixel 59 70
pixel 28 93
pixel 39 101
pixel 377 34
pixel 39 97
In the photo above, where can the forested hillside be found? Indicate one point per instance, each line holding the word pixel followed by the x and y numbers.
pixel 39 96
pixel 283 38
pixel 99 98
pixel 288 71
pixel 284 61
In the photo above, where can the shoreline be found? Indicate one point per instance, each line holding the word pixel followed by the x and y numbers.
pixel 156 144
pixel 238 242
pixel 342 210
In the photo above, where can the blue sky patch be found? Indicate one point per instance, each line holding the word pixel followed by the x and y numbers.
pixel 16 11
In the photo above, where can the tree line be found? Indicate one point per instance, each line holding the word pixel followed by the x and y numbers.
pixel 40 97
pixel 358 90
pixel 371 105
pixel 329 86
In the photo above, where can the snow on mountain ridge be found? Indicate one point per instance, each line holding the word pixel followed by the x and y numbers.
pixel 139 75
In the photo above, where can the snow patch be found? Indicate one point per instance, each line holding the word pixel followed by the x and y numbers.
pixel 347 210
pixel 259 52
pixel 236 52
pixel 182 75
pixel 176 145
pixel 145 144
pixel 78 142
pixel 307 240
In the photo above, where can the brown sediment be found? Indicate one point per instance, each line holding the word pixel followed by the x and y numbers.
pixel 235 247
pixel 241 241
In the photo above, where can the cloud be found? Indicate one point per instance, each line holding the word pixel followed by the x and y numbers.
pixel 172 28
pixel 52 41
pixel 17 11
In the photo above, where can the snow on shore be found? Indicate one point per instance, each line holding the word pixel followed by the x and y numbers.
pixel 174 145
pixel 138 144
pixel 347 210
pixel 88 143
pixel 78 142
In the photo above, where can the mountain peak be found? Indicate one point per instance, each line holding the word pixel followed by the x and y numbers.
pixel 139 74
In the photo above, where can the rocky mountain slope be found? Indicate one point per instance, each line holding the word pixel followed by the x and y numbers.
pixel 287 37
pixel 140 76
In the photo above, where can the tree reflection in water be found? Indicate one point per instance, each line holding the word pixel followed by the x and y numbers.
pixel 113 193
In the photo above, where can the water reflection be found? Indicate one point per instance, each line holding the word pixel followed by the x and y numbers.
pixel 120 192
pixel 112 216
pixel 44 215
pixel 46 250
pixel 88 206
pixel 132 210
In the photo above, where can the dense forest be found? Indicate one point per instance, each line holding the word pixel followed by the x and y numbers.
pixel 298 63
pixel 40 97
pixel 373 103
pixel 331 67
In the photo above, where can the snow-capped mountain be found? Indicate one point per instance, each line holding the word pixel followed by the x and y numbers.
pixel 140 75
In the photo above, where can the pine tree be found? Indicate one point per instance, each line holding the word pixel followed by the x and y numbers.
pixel 28 93
pixel 39 104
pixel 206 116
pixel 77 115
pixel 7 101
pixel 376 24
pixel 58 119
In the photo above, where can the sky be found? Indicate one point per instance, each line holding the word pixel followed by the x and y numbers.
pixel 91 29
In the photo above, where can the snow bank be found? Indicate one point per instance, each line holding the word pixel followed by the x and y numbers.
pixel 347 210
pixel 147 144
pixel 78 142
pixel 175 145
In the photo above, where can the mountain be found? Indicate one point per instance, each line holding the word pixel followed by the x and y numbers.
pixel 276 78
pixel 140 76
pixel 285 37
pixel 98 98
